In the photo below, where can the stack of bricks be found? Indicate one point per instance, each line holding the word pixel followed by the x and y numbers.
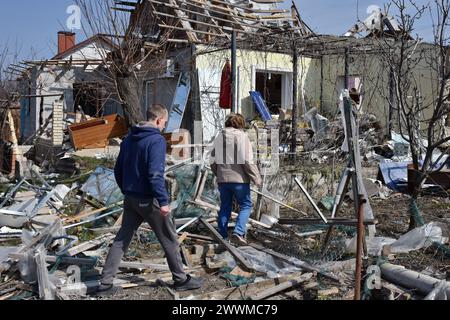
pixel 58 129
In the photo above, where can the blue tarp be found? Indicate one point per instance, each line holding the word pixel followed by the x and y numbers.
pixel 261 105
pixel 395 175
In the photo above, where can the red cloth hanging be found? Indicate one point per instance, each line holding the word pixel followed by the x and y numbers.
pixel 225 101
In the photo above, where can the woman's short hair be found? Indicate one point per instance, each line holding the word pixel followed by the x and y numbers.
pixel 235 120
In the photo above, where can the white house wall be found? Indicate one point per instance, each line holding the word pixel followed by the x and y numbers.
pixel 210 66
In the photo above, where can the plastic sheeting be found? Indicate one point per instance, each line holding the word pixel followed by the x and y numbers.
pixel 5 252
pixel 416 239
pixel 102 186
pixel 260 261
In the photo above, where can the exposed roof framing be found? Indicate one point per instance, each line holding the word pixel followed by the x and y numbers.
pixel 208 21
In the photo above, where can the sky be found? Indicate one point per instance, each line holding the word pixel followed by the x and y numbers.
pixel 30 27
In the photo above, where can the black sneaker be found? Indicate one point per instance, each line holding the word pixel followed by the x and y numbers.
pixel 106 290
pixel 190 284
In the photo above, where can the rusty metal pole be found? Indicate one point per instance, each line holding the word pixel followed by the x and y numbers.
pixel 359 248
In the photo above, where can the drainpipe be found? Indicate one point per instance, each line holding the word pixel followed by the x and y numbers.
pixel 233 71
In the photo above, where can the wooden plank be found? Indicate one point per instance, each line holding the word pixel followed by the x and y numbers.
pixel 182 16
pixel 90 244
pixel 207 9
pixel 119 221
pixel 328 292
pixel 183 237
pixel 165 26
pixel 143 266
pixel 234 252
pixel 244 291
pixel 200 237
pixel 282 287
pixel 86 214
pixel 7 296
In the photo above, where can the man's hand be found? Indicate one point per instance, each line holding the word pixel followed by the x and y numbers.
pixel 165 211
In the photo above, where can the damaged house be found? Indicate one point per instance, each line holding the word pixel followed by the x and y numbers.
pixel 73 77
pixel 325 223
pixel 199 36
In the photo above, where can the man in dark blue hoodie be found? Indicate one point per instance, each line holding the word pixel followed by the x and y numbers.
pixel 139 173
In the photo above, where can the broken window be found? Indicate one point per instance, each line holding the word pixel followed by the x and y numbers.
pixel 275 87
pixel 90 97
pixel 270 85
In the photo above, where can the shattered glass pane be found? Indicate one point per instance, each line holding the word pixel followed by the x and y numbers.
pixel 102 186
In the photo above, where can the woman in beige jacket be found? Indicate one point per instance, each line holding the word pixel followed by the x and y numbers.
pixel 232 163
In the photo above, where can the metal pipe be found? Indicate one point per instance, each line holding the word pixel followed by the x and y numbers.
pixel 347 73
pixel 359 248
pixel 279 202
pixel 188 224
pixel 92 220
pixel 233 70
pixel 311 201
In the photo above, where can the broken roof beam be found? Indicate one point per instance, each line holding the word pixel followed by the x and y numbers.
pixel 193 21
pixel 222 10
pixel 234 252
pixel 233 5
pixel 195 31
pixel 236 22
pixel 186 24
pixel 290 284
pixel 213 20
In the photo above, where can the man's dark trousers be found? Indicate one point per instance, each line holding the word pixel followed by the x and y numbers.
pixel 137 211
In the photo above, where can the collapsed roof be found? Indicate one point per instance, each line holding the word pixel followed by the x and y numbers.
pixel 210 21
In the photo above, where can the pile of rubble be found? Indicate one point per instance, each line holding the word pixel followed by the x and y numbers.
pixel 55 239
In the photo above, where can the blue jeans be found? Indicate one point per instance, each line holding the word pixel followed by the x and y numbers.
pixel 241 191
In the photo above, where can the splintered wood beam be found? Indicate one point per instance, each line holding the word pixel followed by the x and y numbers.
pixel 180 14
pixel 282 287
pixel 234 252
pixel 234 22
pixel 233 5
pixel 90 244
pixel 223 10
pixel 213 20
pixel 191 30
pixel 189 20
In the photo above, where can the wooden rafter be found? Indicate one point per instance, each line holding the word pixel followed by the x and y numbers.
pixel 186 24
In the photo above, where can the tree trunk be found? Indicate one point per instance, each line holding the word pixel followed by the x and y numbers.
pixel 130 91
pixel 415 218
